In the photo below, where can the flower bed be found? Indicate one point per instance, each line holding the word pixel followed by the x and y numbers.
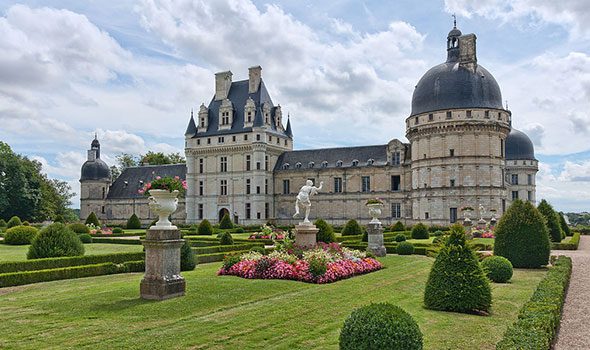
pixel 268 232
pixel 324 264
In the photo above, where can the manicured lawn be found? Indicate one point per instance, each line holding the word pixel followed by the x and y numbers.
pixel 19 252
pixel 234 313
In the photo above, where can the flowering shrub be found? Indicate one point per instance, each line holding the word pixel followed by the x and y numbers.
pixel 268 232
pixel 482 234
pixel 168 183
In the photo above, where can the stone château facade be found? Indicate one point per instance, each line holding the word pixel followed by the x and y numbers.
pixel 462 151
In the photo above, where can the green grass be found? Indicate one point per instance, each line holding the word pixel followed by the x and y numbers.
pixel 19 252
pixel 233 313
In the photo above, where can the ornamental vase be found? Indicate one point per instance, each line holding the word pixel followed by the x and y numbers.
pixel 375 212
pixel 163 203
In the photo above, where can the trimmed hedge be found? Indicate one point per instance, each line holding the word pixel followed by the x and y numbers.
pixel 85 238
pixel 133 266
pixel 20 235
pixel 205 228
pixel 115 240
pixel 54 241
pixel 225 222
pixel 207 258
pixel 224 248
pixel 539 318
pixel 226 239
pixel 572 244
pixel 53 263
pixel 188 261
pixel 564 227
pixel 79 228
pixel 28 277
pixel 398 227
pixel 420 231
pixel 13 222
pixel 405 248
pixel 552 221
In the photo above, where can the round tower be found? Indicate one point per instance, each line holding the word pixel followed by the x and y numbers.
pixel 521 167
pixel 95 180
pixel 457 130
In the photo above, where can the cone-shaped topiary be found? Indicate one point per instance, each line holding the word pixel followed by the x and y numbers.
pixel 14 221
pixel 398 227
pixel 497 268
pixel 225 222
pixel 205 228
pixel 2 223
pixel 226 239
pixel 20 235
pixel 456 281
pixel 54 241
pixel 79 228
pixel 564 227
pixel 551 220
pixel 188 261
pixel 326 232
pixel 352 228
pixel 380 326
pixel 92 219
pixel 133 222
pixel 522 236
pixel 420 231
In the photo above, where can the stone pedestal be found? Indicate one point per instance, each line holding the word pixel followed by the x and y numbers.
pixel 306 235
pixel 375 239
pixel 467 225
pixel 162 279
pixel 482 224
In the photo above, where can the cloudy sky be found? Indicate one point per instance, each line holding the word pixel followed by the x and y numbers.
pixel 345 71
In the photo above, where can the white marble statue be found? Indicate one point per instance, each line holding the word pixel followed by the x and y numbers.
pixel 303 198
pixel 482 211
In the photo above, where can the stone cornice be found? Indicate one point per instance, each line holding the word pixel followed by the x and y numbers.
pixel 456 126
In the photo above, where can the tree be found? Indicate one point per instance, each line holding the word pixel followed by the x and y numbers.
pixel 54 241
pixel 92 219
pixel 176 158
pixel 133 222
pixel 155 158
pixel 420 231
pixel 205 228
pixel 225 222
pixel 352 227
pixel 551 220
pixel 125 160
pixel 564 226
pixel 522 236
pixel 326 232
pixel 188 261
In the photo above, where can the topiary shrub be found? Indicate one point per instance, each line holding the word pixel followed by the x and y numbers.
pixel 420 231
pixel 92 219
pixel 380 326
pixel 225 222
pixel 20 235
pixel 205 228
pixel 400 237
pixel 54 241
pixel 564 227
pixel 438 240
pixel 326 232
pixel 118 230
pixel 398 227
pixel 239 230
pixel 456 281
pixel 13 222
pixel 133 223
pixel 79 228
pixel 551 220
pixel 438 233
pixel 226 239
pixel 2 223
pixel 405 248
pixel 497 268
pixel 258 249
pixel 26 223
pixel 352 228
pixel 365 236
pixel 522 236
pixel 85 238
pixel 188 261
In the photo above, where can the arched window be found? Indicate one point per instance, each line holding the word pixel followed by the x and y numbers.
pixel 311 164
pixel 285 166
pixel 370 161
pixel 355 162
pixel 339 163
pixel 325 164
pixel 298 165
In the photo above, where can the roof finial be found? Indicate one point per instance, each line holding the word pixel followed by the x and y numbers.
pixel 506 104
pixel 191 112
pixel 454 21
pixel 95 135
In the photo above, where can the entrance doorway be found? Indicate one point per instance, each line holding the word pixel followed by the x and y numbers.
pixel 222 212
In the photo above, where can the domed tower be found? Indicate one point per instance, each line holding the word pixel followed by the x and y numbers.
pixel 95 180
pixel 521 166
pixel 457 130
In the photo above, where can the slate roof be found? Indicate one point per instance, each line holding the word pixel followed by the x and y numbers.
pixel 128 182
pixel 238 95
pixel 332 155
pixel 519 146
pixel 95 170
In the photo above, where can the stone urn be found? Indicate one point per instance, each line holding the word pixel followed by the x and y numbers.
pixel 375 212
pixel 163 203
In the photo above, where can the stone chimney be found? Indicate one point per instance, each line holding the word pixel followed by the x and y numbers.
pixel 467 52
pixel 222 85
pixel 254 77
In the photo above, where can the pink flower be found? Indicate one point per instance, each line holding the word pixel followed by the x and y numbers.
pixel 177 177
pixel 158 177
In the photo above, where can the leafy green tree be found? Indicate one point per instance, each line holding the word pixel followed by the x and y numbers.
pixel 564 226
pixel 92 219
pixel 551 220
pixel 225 222
pixel 54 241
pixel 326 232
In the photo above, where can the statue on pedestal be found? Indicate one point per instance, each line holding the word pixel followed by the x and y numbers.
pixel 303 198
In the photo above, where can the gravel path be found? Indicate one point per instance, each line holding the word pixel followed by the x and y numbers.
pixel 574 331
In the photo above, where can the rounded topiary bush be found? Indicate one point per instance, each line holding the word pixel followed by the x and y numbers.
pixel 226 239
pixel 438 233
pixel 2 223
pixel 133 223
pixel 118 230
pixel 26 223
pixel 552 221
pixel 239 230
pixel 85 238
pixel 92 219
pixel 54 241
pixel 13 222
pixel 258 249
pixel 20 235
pixel 205 228
pixel 398 227
pixel 497 268
pixel 225 222
pixel 405 248
pixel 380 326
pixel 326 232
pixel 457 281
pixel 79 228
pixel 188 261
pixel 400 237
pixel 522 236
pixel 352 228
pixel 420 231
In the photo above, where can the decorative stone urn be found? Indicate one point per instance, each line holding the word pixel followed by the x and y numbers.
pixel 163 203
pixel 375 212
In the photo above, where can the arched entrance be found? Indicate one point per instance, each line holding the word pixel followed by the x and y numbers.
pixel 222 212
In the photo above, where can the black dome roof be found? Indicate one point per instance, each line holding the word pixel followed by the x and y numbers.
pixel 448 86
pixel 519 146
pixel 95 170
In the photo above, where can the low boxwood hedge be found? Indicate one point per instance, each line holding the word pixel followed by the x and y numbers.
pixel 52 263
pixel 207 258
pixel 133 266
pixel 115 240
pixel 225 248
pixel 539 318
pixel 572 244
pixel 28 277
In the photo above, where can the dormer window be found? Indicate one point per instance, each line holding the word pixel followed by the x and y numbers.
pixel 324 164
pixel 298 165
pixel 339 163
pixel 311 164
pixel 203 118
pixel 249 112
pixel 370 161
pixel 266 109
pixel 355 162
pixel 285 166
pixel 226 112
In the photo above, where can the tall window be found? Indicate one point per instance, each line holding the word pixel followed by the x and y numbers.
pixel 529 179
pixel 514 195
pixel 223 164
pixel 266 163
pixel 514 179
pixel 257 189
pixel 223 187
pixel 201 165
pixel 257 165
pixel 452 152
pixel 468 114
pixel 248 211
pixel 266 186
pixel 286 187
pixel 449 114
pixel 266 210
pixel 103 192
pixel 247 186
pixel 453 215
pixel 248 162
pixel 396 159
pixel 220 139
pixel 452 183
pixel 200 211
pixel 201 187
pixel 395 182
pixel 337 185
pixel 530 196
pixel 366 184
pixel 396 210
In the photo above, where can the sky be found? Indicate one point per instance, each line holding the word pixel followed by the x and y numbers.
pixel 131 71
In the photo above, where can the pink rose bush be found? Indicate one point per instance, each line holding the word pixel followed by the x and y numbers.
pixel 325 263
pixel 268 232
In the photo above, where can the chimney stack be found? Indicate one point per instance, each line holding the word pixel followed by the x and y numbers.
pixel 222 85
pixel 254 77
pixel 467 52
